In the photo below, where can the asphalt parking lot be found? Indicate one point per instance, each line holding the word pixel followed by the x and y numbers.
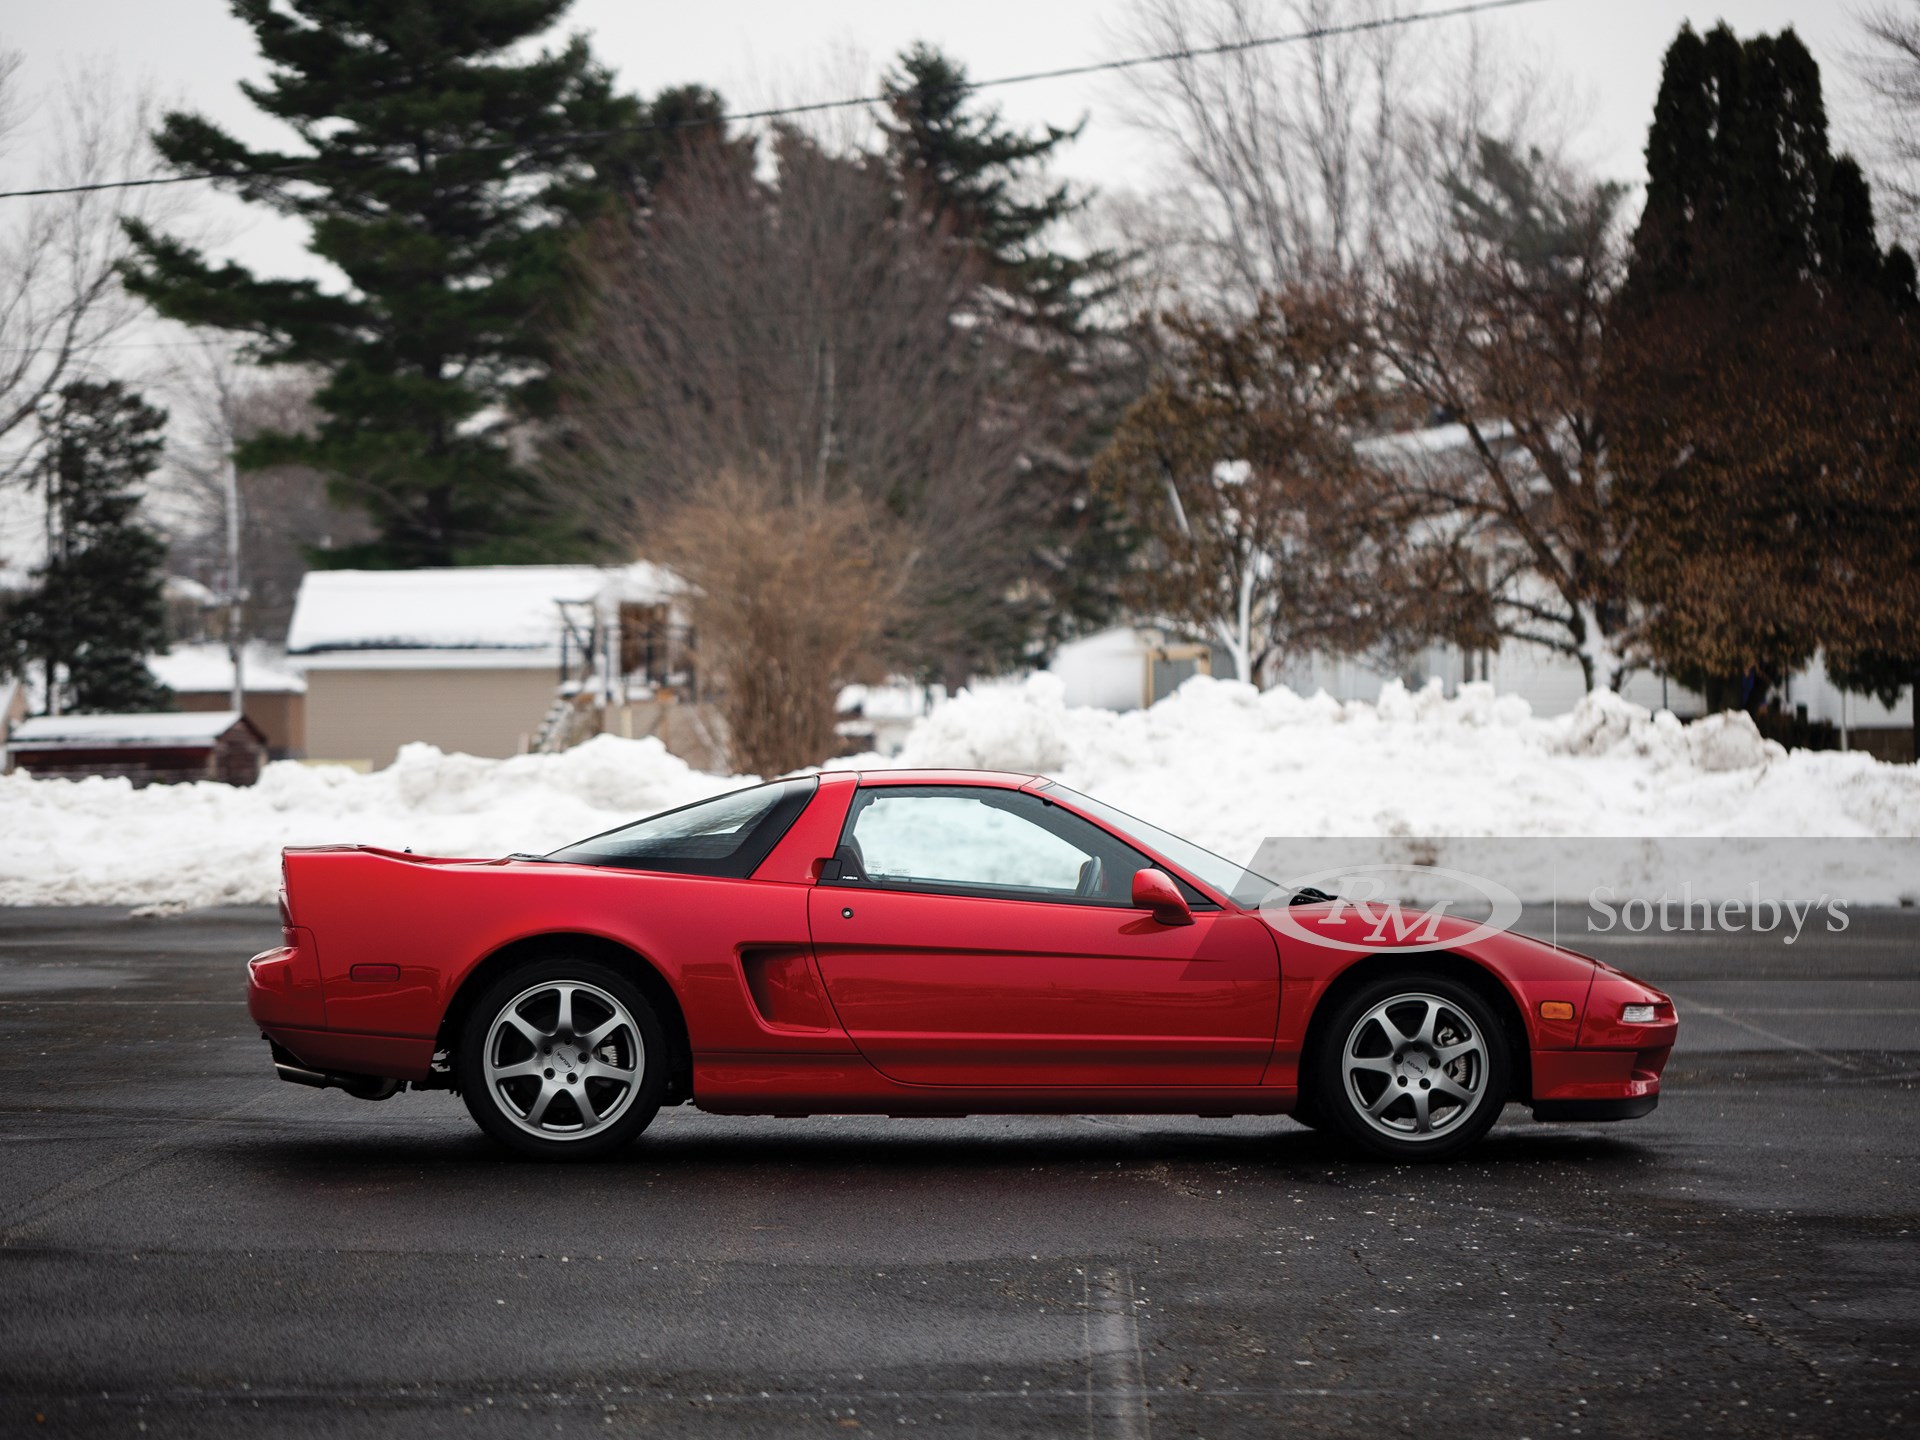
pixel 190 1247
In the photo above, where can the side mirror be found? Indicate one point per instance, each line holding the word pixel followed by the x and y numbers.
pixel 1154 890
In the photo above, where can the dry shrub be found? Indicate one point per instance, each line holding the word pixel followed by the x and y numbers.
pixel 789 593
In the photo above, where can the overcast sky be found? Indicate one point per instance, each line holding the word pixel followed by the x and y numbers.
pixel 756 52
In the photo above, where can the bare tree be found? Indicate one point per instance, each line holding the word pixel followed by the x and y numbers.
pixel 1314 160
pixel 1889 66
pixel 1240 471
pixel 800 331
pixel 787 591
pixel 60 296
pixel 1503 330
pixel 802 338
pixel 285 513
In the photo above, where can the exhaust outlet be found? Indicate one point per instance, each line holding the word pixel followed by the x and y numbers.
pixel 361 1087
pixel 300 1075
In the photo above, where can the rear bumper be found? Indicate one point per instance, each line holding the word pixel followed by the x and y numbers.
pixel 283 986
pixel 394 1057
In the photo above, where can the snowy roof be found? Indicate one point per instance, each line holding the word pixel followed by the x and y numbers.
pixel 165 730
pixel 466 608
pixel 1434 440
pixel 205 669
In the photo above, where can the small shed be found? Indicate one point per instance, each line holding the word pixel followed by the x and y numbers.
pixel 201 678
pixel 147 749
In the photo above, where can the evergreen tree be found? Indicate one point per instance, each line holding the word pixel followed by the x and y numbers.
pixel 444 173
pixel 967 174
pixel 97 609
pixel 1759 365
pixel 963 172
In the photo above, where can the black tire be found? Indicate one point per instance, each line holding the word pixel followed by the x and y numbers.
pixel 1426 1083
pixel 568 1071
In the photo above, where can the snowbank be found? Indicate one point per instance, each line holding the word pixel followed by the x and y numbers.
pixel 101 842
pixel 1218 761
pixel 1230 765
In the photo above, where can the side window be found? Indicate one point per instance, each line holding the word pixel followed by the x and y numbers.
pixel 727 835
pixel 965 840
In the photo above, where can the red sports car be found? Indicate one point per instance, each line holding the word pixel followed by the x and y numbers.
pixel 923 943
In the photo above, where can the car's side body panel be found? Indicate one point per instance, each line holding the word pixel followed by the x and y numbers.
pixel 915 1003
pixel 962 990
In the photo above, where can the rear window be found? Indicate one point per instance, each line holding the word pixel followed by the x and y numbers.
pixel 728 835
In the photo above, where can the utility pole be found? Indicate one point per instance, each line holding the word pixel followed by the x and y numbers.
pixel 233 574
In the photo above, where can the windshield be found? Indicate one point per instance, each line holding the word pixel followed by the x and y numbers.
pixel 1243 886
pixel 728 835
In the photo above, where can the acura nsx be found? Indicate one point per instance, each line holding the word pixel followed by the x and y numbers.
pixel 921 943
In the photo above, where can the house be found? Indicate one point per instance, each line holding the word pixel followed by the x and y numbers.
pixel 487 659
pixel 147 749
pixel 1128 667
pixel 201 678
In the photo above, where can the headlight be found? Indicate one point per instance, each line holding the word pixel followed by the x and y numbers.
pixel 1638 1014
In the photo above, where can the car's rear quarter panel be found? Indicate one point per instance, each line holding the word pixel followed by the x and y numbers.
pixel 420 929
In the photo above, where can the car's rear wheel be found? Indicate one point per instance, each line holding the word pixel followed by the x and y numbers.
pixel 1411 1067
pixel 562 1060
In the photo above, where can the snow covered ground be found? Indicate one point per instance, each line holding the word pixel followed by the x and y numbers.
pixel 1218 761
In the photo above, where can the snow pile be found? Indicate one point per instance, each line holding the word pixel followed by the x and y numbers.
pixel 1218 761
pixel 1603 723
pixel 101 842
pixel 1229 765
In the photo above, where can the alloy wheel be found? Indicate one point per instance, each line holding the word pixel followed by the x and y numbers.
pixel 564 1060
pixel 1415 1067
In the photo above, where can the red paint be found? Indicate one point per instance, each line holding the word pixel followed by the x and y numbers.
pixel 960 990
pixel 916 1003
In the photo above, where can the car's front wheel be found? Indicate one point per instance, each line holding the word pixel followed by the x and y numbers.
pixel 1411 1067
pixel 562 1060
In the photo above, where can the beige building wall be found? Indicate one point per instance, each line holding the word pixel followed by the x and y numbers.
pixel 280 714
pixel 365 716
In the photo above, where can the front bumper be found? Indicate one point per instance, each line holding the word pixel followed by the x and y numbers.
pixel 1573 1085
pixel 1590 1112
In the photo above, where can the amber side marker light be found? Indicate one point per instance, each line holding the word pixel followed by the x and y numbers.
pixel 1556 1010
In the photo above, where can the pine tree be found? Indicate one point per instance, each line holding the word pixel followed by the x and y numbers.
pixel 96 610
pixel 1759 371
pixel 966 173
pixel 444 173
pixel 963 172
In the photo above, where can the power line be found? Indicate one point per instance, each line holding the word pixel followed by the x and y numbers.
pixel 817 107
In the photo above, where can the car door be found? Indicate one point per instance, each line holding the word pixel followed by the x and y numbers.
pixel 985 937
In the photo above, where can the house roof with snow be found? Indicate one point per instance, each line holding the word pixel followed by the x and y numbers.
pixel 162 730
pixel 1444 440
pixel 206 669
pixel 477 615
